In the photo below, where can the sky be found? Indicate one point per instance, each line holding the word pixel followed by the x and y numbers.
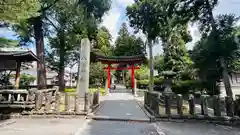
pixel 117 15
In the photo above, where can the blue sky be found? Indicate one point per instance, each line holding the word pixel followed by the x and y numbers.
pixel 116 16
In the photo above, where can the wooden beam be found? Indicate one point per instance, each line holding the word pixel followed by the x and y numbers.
pixel 118 68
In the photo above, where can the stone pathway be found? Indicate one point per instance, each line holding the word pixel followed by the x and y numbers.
pixel 121 105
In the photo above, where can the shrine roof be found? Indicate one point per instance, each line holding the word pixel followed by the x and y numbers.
pixel 121 59
pixel 23 56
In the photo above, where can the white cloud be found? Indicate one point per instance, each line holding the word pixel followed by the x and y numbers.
pixel 194 31
pixel 110 21
pixel 124 3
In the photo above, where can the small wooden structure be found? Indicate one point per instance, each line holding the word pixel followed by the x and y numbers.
pixel 12 59
pixel 131 60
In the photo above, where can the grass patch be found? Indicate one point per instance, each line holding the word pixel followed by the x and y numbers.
pixel 72 91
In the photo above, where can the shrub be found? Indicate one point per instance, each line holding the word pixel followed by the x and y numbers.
pixel 26 80
pixel 179 87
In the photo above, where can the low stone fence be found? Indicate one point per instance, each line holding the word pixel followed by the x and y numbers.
pixel 47 101
pixel 174 107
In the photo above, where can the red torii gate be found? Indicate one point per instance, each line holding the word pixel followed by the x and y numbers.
pixel 131 60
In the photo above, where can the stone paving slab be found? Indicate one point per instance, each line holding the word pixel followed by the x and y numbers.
pixel 43 127
pixel 121 105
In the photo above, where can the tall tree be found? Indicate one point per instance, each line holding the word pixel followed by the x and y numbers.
pixel 210 54
pixel 202 11
pixel 127 44
pixel 103 45
pixel 157 18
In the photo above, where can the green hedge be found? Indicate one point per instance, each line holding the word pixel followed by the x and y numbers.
pixel 179 87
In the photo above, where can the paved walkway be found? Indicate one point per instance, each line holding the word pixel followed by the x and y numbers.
pixel 121 105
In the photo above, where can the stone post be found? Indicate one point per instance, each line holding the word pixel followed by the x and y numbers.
pixel 106 87
pixel 145 98
pixel 38 102
pixel 237 105
pixel 135 87
pixel 179 104
pixel 67 100
pixel 77 104
pixel 57 104
pixel 84 67
pixel 48 102
pixel 216 107
pixel 191 102
pixel 86 102
pixel 204 105
pixel 229 106
pixel 167 99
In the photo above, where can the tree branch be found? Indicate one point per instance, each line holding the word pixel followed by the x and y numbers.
pixel 51 23
pixel 46 8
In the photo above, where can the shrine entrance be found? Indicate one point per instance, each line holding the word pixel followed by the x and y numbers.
pixel 130 61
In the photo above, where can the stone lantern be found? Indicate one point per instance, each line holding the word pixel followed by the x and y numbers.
pixel 169 75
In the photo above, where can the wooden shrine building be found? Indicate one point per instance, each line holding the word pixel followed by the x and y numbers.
pixel 12 59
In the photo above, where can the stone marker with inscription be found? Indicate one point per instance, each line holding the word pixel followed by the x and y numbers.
pixel 84 67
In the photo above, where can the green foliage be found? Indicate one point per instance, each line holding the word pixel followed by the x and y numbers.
pixel 142 73
pixel 103 42
pixel 156 18
pixel 26 80
pixel 4 42
pixel 207 52
pixel 128 45
pixel 97 74
pixel 159 63
pixel 14 11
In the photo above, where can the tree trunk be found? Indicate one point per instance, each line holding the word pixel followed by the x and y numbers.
pixel 61 63
pixel 38 32
pixel 151 81
pixel 226 81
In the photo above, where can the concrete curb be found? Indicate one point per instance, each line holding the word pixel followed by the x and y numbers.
pixel 106 118
pixel 89 115
pixel 7 122
pixel 151 117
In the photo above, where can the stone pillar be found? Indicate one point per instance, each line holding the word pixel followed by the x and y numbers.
pixel 135 87
pixel 179 104
pixel 191 102
pixel 216 107
pixel 204 105
pixel 229 106
pixel 106 87
pixel 84 67
pixel 167 100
